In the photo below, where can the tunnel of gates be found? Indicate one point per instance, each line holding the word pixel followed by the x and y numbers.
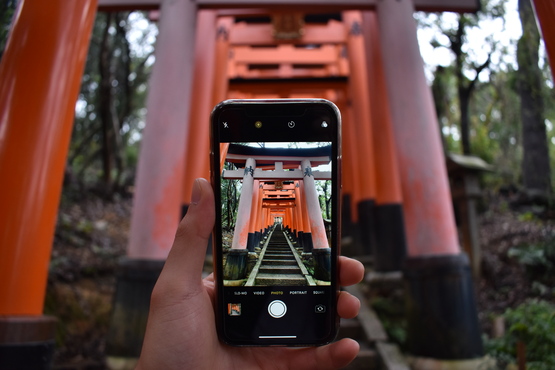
pixel 361 54
pixel 279 215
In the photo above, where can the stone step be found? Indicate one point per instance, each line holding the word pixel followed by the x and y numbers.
pixel 279 246
pixel 278 253
pixel 280 269
pixel 279 261
pixel 280 279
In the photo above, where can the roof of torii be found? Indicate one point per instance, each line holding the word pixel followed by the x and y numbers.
pixel 269 156
pixel 277 163
pixel 425 5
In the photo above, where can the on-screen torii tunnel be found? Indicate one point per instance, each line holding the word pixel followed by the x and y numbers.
pixel 278 194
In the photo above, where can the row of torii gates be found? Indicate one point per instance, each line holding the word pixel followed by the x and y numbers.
pixel 278 187
pixel 365 58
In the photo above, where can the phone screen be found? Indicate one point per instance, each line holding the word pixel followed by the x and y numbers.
pixel 275 172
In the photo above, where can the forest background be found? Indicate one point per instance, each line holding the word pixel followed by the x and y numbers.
pixel 494 95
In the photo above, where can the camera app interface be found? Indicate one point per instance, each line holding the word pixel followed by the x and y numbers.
pixel 276 224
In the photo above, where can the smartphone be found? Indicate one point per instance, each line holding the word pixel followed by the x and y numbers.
pixel 275 169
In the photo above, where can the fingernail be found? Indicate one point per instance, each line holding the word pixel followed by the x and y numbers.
pixel 197 192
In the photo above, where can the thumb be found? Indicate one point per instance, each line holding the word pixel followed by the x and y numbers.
pixel 185 261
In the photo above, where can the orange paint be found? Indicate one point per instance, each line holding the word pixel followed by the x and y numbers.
pixel 41 74
pixel 197 160
pixel 427 205
pixel 362 115
pixel 160 169
pixel 388 183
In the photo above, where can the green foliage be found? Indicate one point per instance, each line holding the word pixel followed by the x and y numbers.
pixel 324 197
pixel 539 261
pixel 110 110
pixel 391 311
pixel 531 255
pixel 7 9
pixel 532 323
pixel 230 194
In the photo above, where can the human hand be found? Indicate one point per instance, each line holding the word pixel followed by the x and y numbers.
pixel 181 329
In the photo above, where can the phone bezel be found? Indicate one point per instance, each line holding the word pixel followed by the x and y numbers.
pixel 274 108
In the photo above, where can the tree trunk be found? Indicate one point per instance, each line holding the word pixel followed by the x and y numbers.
pixel 464 102
pixel 535 163
pixel 105 104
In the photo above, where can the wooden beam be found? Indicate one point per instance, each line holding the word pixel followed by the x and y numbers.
pixel 262 34
pixel 275 175
pixel 339 5
pixel 119 5
pixel 306 5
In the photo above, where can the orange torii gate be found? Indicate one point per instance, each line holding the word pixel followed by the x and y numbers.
pixel 31 190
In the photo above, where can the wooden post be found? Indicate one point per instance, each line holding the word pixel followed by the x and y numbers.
pixel 362 121
pixel 37 107
pixel 244 210
pixel 545 13
pixel 438 278
pixel 253 217
pixel 321 251
pixel 159 182
pixel 197 144
pixel 391 246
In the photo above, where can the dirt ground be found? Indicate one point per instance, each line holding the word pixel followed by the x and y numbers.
pixel 91 235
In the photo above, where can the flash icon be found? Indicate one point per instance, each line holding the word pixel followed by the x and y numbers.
pixel 225 124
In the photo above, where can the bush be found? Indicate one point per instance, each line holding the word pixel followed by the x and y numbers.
pixel 532 323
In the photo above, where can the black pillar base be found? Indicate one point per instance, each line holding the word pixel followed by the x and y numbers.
pixel 257 239
pixel 391 246
pixel 27 342
pixel 322 263
pixel 367 226
pixel 135 280
pixel 307 243
pixel 441 308
pixel 236 264
pixel 346 216
pixel 250 242
pixel 300 240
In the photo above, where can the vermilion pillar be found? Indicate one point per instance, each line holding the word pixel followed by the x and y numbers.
pixel 322 251
pixel 244 210
pixel 545 12
pixel 160 174
pixel 40 77
pixel 236 261
pixel 351 244
pixel 160 169
pixel 442 317
pixel 360 97
pixel 391 249
pixel 305 232
pixel 221 80
pixel 253 222
pixel 319 238
pixel 197 146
